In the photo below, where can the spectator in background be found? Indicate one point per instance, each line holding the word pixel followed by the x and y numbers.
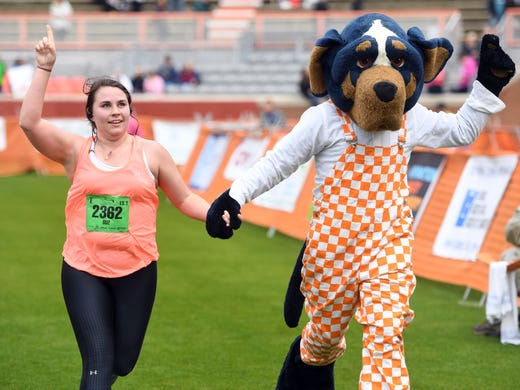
pixel 441 107
pixel 136 5
pixel 168 72
pixel 469 58
pixel 113 5
pixel 2 73
pixel 494 315
pixel 188 76
pixel 161 5
pixel 18 78
pixel 308 4
pixel 316 5
pixel 176 5
pixel 60 12
pixel 304 85
pixel 356 5
pixel 153 83
pixel 138 80
pixel 202 5
pixel 321 5
pixel 471 43
pixel 271 118
pixel 289 4
pixel 467 71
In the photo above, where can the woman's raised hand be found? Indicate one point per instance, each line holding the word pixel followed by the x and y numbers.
pixel 46 50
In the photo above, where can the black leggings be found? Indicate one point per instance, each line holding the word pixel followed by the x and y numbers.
pixel 109 317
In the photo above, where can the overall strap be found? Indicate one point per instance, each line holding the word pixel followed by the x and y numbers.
pixel 402 133
pixel 350 135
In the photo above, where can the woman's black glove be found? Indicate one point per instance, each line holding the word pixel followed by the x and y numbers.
pixel 495 68
pixel 215 225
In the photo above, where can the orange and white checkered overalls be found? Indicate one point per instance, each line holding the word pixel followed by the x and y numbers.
pixel 358 260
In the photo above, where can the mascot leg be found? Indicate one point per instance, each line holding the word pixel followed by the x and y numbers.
pixel 296 375
pixel 293 304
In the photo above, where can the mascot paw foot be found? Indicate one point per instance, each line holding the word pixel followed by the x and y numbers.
pixel 296 375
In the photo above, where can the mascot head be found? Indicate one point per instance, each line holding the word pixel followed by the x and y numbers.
pixel 374 71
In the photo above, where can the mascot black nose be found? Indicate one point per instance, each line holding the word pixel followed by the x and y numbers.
pixel 385 91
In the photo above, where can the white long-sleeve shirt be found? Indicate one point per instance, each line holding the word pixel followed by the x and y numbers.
pixel 319 134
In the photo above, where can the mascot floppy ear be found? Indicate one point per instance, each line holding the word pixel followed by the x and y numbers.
pixel 332 40
pixel 436 52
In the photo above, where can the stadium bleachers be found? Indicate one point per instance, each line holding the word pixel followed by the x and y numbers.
pixel 473 11
pixel 260 53
pixel 36 6
pixel 266 57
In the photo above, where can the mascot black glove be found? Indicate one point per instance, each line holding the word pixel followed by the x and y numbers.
pixel 495 68
pixel 215 225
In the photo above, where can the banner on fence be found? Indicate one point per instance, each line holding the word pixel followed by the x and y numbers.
pixel 473 206
pixel 248 151
pixel 284 195
pixel 179 138
pixel 209 161
pixel 424 169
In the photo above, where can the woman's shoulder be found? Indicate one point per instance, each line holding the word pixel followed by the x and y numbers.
pixel 154 150
pixel 148 144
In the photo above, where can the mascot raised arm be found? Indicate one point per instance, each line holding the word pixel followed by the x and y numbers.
pixel 357 257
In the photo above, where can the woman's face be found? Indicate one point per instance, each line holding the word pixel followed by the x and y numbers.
pixel 111 112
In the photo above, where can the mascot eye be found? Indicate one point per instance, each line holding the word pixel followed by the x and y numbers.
pixel 364 62
pixel 398 62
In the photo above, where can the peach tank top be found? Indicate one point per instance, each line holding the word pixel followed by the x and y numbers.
pixel 110 216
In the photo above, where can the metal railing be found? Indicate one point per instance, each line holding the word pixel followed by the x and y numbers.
pixel 271 46
pixel 123 31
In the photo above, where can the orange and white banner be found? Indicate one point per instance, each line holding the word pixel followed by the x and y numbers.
pixel 481 191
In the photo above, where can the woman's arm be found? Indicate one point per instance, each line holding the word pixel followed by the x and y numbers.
pixel 171 182
pixel 47 138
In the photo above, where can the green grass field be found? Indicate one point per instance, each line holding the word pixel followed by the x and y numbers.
pixel 218 319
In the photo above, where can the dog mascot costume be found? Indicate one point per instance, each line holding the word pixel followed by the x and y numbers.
pixel 356 261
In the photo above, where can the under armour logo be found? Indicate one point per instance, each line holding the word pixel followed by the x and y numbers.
pixel 93 372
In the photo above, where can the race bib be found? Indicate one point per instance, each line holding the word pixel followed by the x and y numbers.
pixel 107 213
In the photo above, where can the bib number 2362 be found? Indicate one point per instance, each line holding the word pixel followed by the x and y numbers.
pixel 107 213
